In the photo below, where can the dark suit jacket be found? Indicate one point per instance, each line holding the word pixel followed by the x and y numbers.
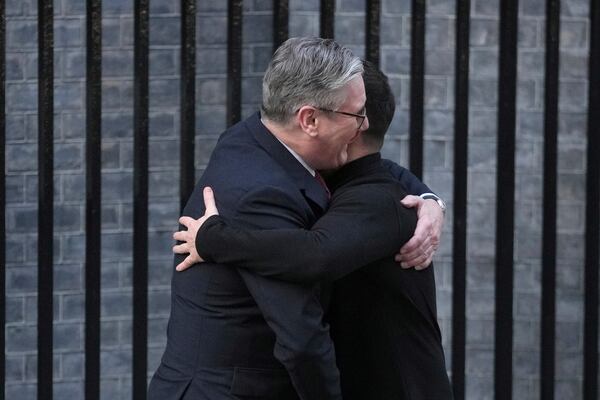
pixel 233 334
pixel 383 318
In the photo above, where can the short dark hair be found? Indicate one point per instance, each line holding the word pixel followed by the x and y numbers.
pixel 380 105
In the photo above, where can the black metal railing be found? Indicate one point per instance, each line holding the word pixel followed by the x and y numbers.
pixel 505 212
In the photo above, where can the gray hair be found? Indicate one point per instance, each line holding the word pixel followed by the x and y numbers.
pixel 307 71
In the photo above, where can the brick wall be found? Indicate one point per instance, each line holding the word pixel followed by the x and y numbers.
pixel 117 167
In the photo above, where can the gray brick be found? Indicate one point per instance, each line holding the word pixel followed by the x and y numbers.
pixel 115 363
pixel 162 243
pixel 569 308
pixel 526 363
pixel 116 245
pixel 161 153
pixel 109 334
pixel 15 250
pixel 483 93
pixel 484 63
pixel 163 62
pixel 573 64
pixel 69 96
pixel 569 336
pixel 572 124
pixel 110 274
pixel 530 124
pixel 436 123
pixel 68 390
pixel 73 248
pixel 211 60
pixel 252 90
pixel 73 187
pixel 346 32
pixel 31 367
pixel 68 277
pixel 391 30
pixel 531 64
pixel 117 63
pixel 260 56
pixel 21 391
pixel 574 8
pixel 211 91
pixel 69 32
pixel 19 34
pixel 480 362
pixel 568 389
pixel 436 93
pixel 480 303
pixel 529 33
pixel 73 126
pixel 571 158
pixel 14 189
pixel 15 67
pixel 117 7
pixel 162 124
pixel 158 184
pixel 439 33
pixel 164 91
pixel 21 279
pixel 570 218
pixel 481 275
pixel 73 365
pixel 396 61
pixel 303 25
pixel 68 336
pixel 571 186
pixel 526 334
pixel 68 156
pixel 159 302
pixel 117 186
pixel 484 32
pixel 212 5
pixel 165 31
pixel 111 154
pixel 15 369
pixel 211 30
pixel 573 34
pixel 21 97
pixel 21 338
pixel 573 96
pixel 73 307
pixel 14 310
pixel 159 272
pixel 74 64
pixel 14 7
pixel 116 304
pixel 163 215
pixel 251 34
pixel 481 218
pixel 396 6
pixel 164 7
pixel 204 148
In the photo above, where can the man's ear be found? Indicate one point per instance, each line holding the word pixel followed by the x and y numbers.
pixel 307 119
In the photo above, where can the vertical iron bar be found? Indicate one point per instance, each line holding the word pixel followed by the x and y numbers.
pixel 548 330
pixel 2 194
pixel 505 199
pixel 234 62
pixel 280 22
pixel 459 236
pixel 417 86
pixel 327 28
pixel 93 195
pixel 188 100
pixel 592 213
pixel 140 201
pixel 45 197
pixel 373 30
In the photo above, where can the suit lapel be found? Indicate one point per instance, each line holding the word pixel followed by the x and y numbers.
pixel 307 184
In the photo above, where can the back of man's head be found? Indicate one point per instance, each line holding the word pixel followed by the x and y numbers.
pixel 380 105
pixel 307 71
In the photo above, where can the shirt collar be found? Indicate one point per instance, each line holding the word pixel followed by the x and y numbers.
pixel 297 157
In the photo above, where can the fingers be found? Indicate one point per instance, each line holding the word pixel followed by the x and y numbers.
pixel 411 201
pixel 185 264
pixel 186 221
pixel 209 202
pixel 181 248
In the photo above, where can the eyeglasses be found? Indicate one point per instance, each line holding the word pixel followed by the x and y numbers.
pixel 360 118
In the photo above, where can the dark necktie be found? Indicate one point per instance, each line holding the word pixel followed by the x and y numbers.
pixel 321 181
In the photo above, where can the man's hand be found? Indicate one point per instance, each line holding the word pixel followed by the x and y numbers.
pixel 419 250
pixel 188 237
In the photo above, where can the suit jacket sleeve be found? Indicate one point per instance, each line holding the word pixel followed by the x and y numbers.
pixel 362 225
pixel 409 182
pixel 294 312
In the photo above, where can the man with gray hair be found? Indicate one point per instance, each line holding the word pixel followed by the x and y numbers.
pixel 233 334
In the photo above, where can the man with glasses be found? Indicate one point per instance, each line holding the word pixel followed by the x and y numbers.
pixel 234 334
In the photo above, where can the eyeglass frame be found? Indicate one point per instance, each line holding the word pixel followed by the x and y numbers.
pixel 361 116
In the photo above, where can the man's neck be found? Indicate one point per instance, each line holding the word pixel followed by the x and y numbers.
pixel 286 138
